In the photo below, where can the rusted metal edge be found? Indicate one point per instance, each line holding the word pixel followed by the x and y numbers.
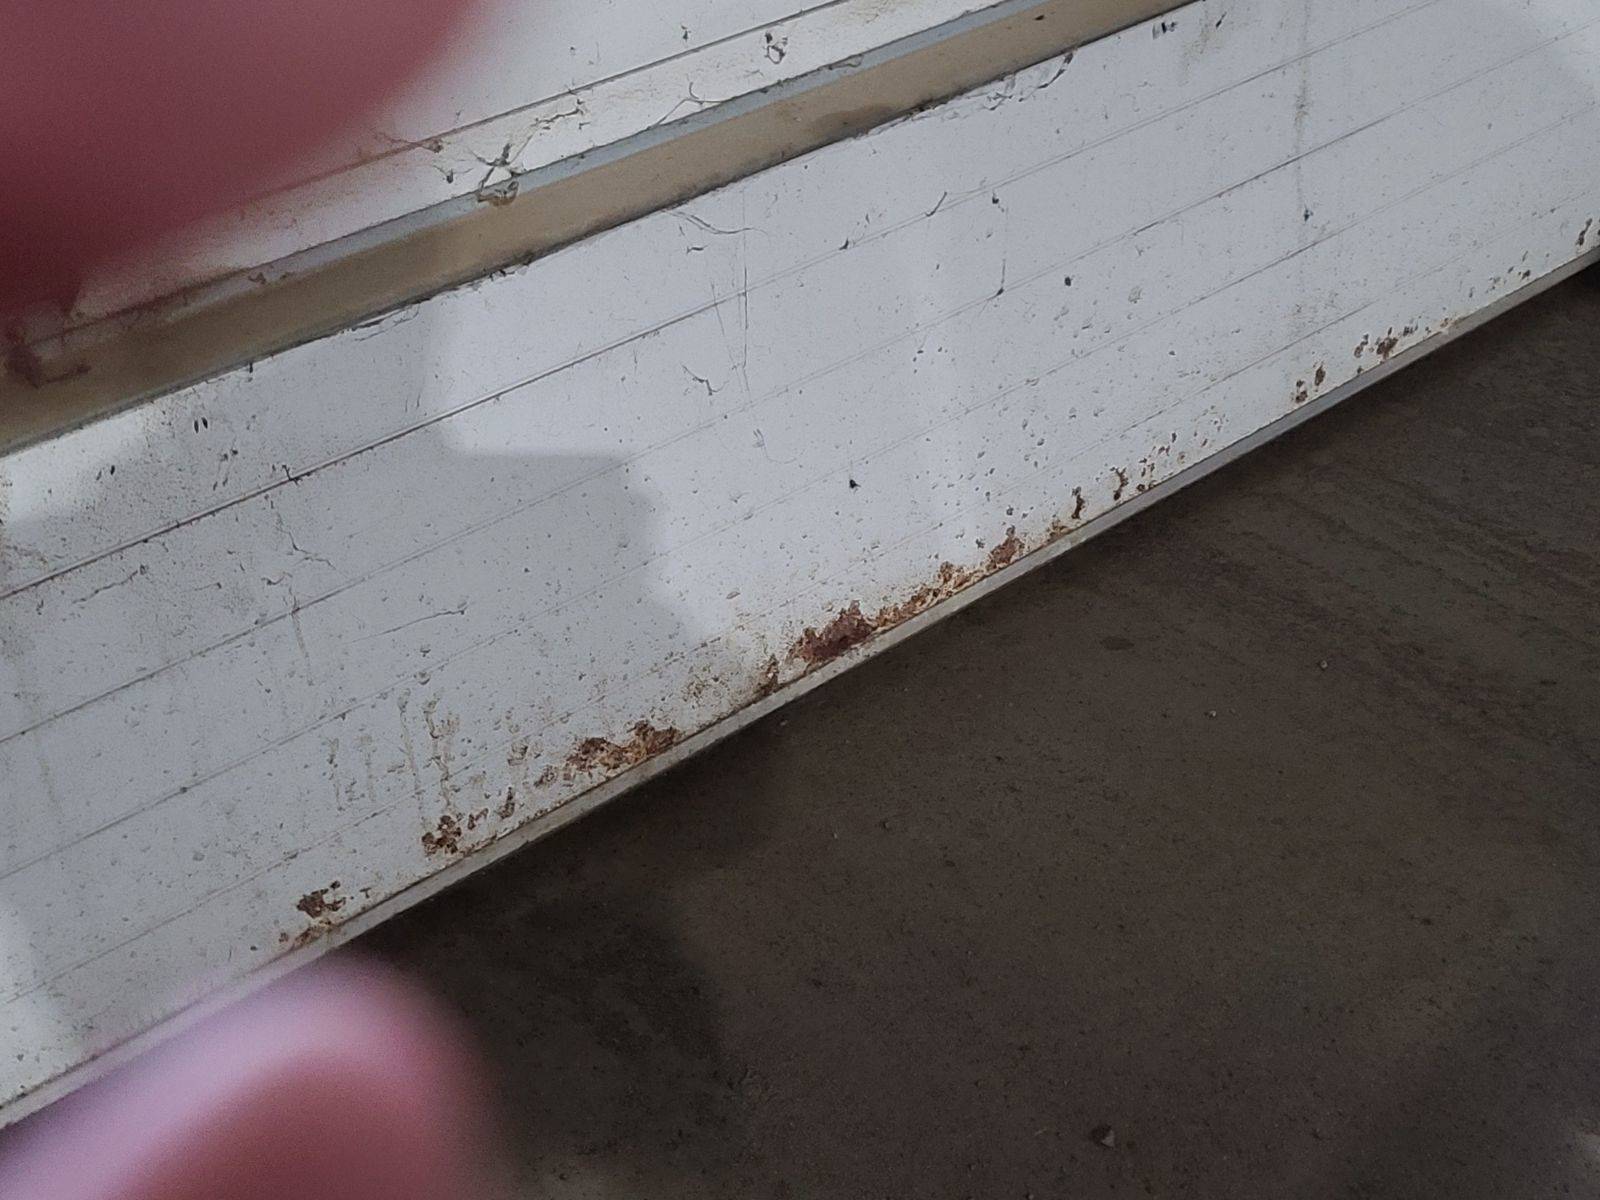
pixel 169 344
pixel 326 936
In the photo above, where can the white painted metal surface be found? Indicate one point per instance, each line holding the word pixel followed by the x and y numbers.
pixel 283 645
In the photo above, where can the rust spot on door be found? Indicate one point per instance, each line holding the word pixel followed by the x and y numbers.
pixel 851 626
pixel 321 902
pixel 304 938
pixel 1007 552
pixel 847 630
pixel 950 580
pixel 769 680
pixel 599 755
pixel 445 838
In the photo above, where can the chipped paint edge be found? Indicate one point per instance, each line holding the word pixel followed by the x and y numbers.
pixel 323 936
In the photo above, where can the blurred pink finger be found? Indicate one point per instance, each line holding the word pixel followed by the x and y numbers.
pixel 121 121
pixel 340 1082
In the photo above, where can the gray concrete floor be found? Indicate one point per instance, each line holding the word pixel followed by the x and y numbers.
pixel 1264 830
